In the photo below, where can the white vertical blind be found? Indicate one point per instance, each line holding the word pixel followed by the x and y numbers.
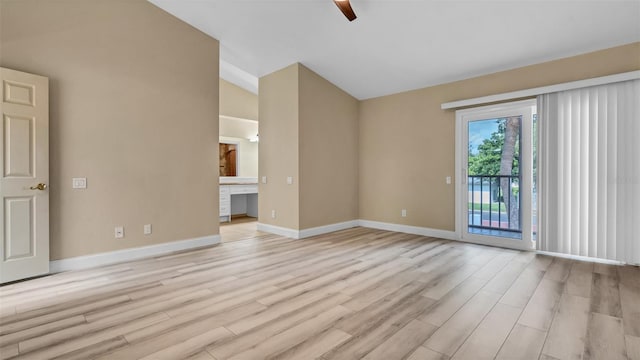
pixel 589 172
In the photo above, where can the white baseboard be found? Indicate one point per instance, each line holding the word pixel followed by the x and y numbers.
pixel 305 233
pixel 111 257
pixel 409 229
pixel 278 230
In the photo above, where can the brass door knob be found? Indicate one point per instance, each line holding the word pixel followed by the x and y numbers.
pixel 40 186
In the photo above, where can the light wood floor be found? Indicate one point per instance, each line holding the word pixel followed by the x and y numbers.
pixel 240 228
pixel 354 294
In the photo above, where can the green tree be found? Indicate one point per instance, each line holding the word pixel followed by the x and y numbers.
pixel 488 159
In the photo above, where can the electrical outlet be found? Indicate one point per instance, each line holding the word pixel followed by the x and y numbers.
pixel 448 180
pixel 79 183
pixel 147 229
pixel 403 213
pixel 289 180
pixel 273 214
pixel 264 179
pixel 119 232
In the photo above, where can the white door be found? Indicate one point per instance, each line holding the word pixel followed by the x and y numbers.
pixel 495 186
pixel 24 154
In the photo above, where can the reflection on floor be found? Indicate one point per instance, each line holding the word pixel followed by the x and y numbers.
pixel 240 228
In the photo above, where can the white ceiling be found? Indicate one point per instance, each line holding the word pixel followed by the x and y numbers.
pixel 401 45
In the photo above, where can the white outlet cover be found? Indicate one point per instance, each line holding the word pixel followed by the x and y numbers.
pixel 448 179
pixel 264 179
pixel 147 229
pixel 79 183
pixel 289 180
pixel 119 232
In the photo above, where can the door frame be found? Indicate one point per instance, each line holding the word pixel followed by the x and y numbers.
pixel 526 109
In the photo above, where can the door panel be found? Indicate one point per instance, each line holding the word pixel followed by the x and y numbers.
pixel 18 213
pixel 18 93
pixel 24 155
pixel 19 144
pixel 494 156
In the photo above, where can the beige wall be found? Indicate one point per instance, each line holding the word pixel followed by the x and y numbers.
pixel 237 102
pixel 134 108
pixel 407 142
pixel 238 128
pixel 308 130
pixel 328 152
pixel 278 148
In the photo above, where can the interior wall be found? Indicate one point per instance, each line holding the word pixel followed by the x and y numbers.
pixel 407 146
pixel 237 102
pixel 328 149
pixel 233 127
pixel 134 109
pixel 278 148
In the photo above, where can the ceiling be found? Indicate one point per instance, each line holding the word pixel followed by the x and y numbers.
pixel 399 45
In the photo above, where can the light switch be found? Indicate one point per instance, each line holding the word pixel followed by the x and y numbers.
pixel 448 179
pixel 79 183
pixel 289 180
pixel 147 229
pixel 264 179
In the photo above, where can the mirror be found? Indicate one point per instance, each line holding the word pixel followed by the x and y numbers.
pixel 228 159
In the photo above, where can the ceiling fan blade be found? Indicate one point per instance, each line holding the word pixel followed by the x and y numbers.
pixel 346 9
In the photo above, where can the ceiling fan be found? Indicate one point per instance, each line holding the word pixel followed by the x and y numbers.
pixel 346 9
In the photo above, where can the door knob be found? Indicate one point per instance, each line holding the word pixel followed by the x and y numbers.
pixel 40 186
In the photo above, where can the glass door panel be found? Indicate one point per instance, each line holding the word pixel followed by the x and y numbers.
pixel 493 171
pixel 496 187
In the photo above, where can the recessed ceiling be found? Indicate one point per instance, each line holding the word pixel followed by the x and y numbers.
pixel 394 46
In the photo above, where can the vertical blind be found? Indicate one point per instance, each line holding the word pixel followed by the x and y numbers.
pixel 589 172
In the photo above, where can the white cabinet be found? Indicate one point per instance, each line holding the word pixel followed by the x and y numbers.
pixel 225 203
pixel 243 189
pixel 247 195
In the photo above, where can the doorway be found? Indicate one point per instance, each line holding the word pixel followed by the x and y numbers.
pixel 495 167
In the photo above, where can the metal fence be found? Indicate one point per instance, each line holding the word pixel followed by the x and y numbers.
pixel 490 206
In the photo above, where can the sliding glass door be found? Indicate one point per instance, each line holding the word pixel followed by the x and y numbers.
pixel 496 195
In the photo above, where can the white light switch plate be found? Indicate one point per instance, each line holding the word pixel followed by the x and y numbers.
pixel 79 183
pixel 264 179
pixel 289 180
pixel 147 229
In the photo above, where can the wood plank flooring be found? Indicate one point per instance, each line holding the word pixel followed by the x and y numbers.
pixel 240 228
pixel 353 294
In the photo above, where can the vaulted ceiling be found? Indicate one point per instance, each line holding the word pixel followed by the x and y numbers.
pixel 399 45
